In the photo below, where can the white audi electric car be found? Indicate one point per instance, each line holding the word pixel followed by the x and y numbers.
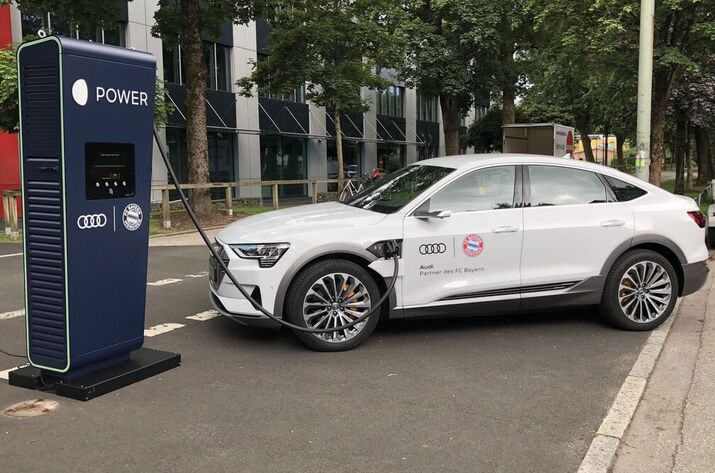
pixel 479 234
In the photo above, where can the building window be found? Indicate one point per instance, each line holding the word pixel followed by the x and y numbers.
pixel 390 101
pixel 218 65
pixel 390 156
pixel 49 23
pixel 426 152
pixel 427 107
pixel 284 158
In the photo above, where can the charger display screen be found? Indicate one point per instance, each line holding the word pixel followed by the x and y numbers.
pixel 109 170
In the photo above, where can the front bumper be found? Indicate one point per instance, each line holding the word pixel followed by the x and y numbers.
pixel 694 277
pixel 251 320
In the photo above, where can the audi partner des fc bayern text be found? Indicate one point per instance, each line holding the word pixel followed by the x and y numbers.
pixel 479 234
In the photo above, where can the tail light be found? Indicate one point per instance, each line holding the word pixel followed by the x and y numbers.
pixel 699 218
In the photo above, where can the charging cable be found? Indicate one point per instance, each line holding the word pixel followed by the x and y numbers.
pixel 391 250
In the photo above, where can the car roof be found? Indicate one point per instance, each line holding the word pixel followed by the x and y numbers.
pixel 465 162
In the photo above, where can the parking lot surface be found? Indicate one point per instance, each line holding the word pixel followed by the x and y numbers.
pixel 499 394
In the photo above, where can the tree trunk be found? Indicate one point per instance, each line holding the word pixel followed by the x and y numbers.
pixel 508 113
pixel 679 153
pixel 192 51
pixel 587 149
pixel 620 139
pixel 688 160
pixel 705 165
pixel 339 147
pixel 450 124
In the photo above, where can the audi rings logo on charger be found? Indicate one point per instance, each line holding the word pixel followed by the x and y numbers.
pixel 433 249
pixel 86 222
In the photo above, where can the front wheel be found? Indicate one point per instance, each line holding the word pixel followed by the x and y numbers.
pixel 640 291
pixel 329 294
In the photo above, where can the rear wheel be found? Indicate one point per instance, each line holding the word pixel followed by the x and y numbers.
pixel 640 291
pixel 329 294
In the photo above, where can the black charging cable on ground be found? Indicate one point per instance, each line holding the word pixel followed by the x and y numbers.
pixel 391 251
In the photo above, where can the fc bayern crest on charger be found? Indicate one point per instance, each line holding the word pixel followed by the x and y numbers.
pixel 472 245
pixel 132 217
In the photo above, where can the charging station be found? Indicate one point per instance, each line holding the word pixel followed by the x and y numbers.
pixel 86 121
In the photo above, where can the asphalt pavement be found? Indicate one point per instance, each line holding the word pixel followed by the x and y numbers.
pixel 517 393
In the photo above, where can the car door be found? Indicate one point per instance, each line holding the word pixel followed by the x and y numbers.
pixel 469 253
pixel 571 226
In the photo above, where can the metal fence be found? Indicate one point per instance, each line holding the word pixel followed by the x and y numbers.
pixel 229 186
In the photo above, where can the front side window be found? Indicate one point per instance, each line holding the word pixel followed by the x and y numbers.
pixel 485 189
pixel 394 191
pixel 623 190
pixel 555 185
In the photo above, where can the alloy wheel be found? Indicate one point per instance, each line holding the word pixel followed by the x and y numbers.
pixel 645 291
pixel 333 300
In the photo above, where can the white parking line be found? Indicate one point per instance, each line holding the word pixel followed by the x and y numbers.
pixel 203 316
pixel 13 314
pixel 202 274
pixel 13 254
pixel 161 328
pixel 4 373
pixel 603 448
pixel 164 282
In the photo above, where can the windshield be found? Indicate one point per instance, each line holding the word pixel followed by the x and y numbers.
pixel 392 192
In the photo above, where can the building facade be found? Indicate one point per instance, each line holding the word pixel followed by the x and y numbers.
pixel 272 137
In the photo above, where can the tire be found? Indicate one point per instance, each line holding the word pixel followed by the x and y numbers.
pixel 360 292
pixel 646 308
pixel 710 238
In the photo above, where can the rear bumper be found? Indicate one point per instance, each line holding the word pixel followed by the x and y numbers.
pixel 694 277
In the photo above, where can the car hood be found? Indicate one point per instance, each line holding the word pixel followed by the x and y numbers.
pixel 280 225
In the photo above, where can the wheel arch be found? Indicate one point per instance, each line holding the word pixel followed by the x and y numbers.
pixel 663 246
pixel 361 258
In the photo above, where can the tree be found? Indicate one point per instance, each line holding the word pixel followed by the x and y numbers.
pixel 684 32
pixel 186 21
pixel 452 48
pixel 693 102
pixel 336 47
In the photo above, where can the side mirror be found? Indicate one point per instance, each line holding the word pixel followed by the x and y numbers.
pixel 440 214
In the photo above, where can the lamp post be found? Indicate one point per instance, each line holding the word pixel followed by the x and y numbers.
pixel 645 87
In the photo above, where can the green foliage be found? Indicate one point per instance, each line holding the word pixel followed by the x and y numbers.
pixel 213 14
pixel 9 113
pixel 162 107
pixel 336 47
pixel 485 135
pixel 453 46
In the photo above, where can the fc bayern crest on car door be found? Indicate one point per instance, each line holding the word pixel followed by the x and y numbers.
pixel 472 245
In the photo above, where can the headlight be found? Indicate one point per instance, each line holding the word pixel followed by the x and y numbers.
pixel 267 254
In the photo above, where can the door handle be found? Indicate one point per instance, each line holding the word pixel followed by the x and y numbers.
pixel 613 223
pixel 505 230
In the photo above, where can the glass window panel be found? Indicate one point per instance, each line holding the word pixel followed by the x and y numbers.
pixel 486 189
pixel 623 190
pixel 223 67
pixel 552 185
pixel 210 65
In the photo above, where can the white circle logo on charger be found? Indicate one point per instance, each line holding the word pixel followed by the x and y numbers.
pixel 132 217
pixel 80 92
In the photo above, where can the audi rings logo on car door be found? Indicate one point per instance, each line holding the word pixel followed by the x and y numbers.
pixel 433 249
pixel 86 222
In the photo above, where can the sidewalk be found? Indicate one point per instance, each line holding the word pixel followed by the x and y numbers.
pixel 183 239
pixel 673 429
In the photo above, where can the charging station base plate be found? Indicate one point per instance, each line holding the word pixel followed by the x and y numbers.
pixel 142 364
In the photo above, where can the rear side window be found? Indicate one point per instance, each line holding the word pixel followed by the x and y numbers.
pixel 623 190
pixel 555 185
